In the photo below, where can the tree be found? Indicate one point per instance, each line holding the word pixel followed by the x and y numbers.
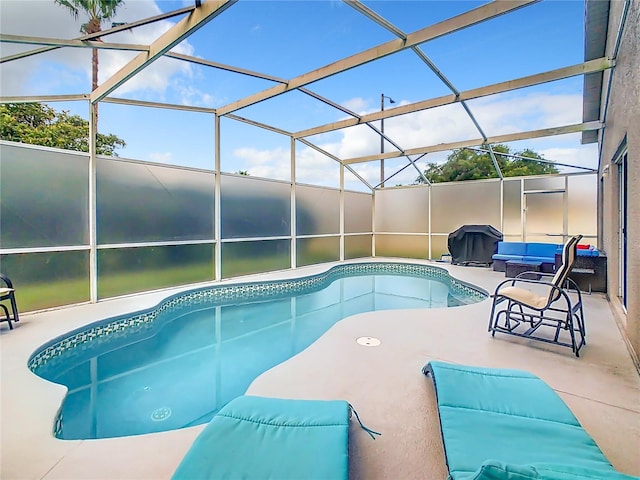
pixel 98 11
pixel 465 164
pixel 40 124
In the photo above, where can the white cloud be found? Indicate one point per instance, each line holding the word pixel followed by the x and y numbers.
pixel 316 168
pixel 261 157
pixel 46 19
pixel 264 163
pixel 497 115
pixel 69 69
pixel 311 167
pixel 513 112
pixel 357 105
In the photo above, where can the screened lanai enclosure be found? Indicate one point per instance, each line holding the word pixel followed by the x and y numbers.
pixel 263 136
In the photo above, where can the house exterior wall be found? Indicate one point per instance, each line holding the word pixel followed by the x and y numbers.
pixel 622 125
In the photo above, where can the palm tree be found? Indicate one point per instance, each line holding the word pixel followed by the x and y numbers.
pixel 98 11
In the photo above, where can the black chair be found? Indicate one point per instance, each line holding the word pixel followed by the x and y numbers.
pixel 522 306
pixel 8 293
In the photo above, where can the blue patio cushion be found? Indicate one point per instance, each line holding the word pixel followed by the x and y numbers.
pixel 509 416
pixel 512 248
pixel 588 252
pixel 259 438
pixel 547 250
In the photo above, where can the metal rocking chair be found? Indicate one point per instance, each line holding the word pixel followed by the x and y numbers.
pixel 523 307
pixel 8 293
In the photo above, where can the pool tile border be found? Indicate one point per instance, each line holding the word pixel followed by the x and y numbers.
pixel 144 322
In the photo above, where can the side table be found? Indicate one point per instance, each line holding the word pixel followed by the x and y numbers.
pixel 516 267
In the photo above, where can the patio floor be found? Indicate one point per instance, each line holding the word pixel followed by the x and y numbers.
pixel 384 384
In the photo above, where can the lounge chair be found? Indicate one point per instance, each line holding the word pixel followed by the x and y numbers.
pixel 525 307
pixel 8 293
pixel 258 438
pixel 509 424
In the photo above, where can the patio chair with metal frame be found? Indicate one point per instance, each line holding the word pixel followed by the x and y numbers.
pixel 524 307
pixel 7 292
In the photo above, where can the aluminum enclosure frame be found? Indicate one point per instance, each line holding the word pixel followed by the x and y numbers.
pixel 202 13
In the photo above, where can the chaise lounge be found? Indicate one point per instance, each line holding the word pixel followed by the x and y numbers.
pixel 509 424
pixel 258 438
pixel 543 310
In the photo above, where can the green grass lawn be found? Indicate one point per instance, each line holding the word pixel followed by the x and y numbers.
pixel 124 283
pixel 42 295
pixel 38 296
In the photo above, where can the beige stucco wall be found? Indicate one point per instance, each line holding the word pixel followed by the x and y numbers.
pixel 623 121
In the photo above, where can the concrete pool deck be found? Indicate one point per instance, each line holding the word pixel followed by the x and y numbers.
pixel 384 384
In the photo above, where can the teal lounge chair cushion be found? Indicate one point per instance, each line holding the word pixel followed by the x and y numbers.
pixel 495 470
pixel 270 438
pixel 513 418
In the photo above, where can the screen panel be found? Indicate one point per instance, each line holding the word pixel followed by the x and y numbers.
pixel 130 270
pixel 251 207
pixel 139 202
pixel 357 212
pixel 512 207
pixel 439 246
pixel 357 246
pixel 310 251
pixel 465 203
pixel 543 238
pixel 402 210
pixel 512 238
pixel 317 210
pixel 47 279
pixel 583 209
pixel 406 246
pixel 544 183
pixel 544 215
pixel 244 258
pixel 45 197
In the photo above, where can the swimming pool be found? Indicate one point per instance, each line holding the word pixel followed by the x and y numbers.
pixel 175 365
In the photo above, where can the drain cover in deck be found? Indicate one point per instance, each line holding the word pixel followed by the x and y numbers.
pixel 368 341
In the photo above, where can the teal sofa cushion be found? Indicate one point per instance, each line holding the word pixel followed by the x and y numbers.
pixel 270 438
pixel 509 416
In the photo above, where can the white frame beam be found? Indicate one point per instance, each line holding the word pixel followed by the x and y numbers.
pixel 464 20
pixel 591 66
pixel 172 37
pixel 510 137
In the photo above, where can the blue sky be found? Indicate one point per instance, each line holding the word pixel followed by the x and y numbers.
pixel 288 38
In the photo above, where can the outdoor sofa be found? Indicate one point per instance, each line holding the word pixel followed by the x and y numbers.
pixel 544 253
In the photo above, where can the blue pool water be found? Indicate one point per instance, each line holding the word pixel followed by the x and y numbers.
pixel 177 364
